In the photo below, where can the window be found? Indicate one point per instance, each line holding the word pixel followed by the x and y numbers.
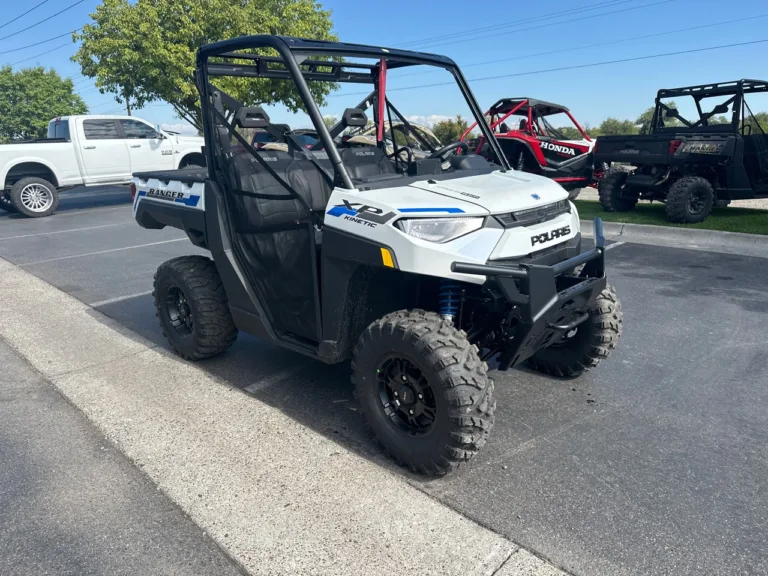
pixel 136 129
pixel 100 130
pixel 58 129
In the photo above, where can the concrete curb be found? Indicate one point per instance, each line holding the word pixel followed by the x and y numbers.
pixel 279 498
pixel 688 238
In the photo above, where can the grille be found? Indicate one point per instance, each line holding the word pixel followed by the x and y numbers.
pixel 533 215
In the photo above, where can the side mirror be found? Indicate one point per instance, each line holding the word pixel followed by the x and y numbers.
pixel 671 113
pixel 720 109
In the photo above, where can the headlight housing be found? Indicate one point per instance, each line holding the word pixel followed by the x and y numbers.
pixel 440 230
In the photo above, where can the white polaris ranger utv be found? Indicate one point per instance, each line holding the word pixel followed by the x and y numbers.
pixel 418 269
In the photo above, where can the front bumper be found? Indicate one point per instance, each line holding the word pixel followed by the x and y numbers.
pixel 549 300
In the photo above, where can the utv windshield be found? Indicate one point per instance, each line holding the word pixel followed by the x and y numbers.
pixel 374 138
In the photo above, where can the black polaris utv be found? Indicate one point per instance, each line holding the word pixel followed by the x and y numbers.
pixel 418 268
pixel 717 154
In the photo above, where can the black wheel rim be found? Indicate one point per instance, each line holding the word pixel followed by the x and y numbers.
pixel 179 311
pixel 406 397
pixel 696 202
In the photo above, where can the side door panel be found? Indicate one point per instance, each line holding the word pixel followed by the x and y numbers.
pixel 147 148
pixel 103 151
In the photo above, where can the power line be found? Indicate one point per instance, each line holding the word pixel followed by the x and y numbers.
pixel 515 23
pixel 575 67
pixel 548 24
pixel 41 54
pixel 43 20
pixel 570 49
pixel 24 14
pixel 41 42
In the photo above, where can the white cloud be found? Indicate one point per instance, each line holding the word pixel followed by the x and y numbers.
pixel 430 120
pixel 181 128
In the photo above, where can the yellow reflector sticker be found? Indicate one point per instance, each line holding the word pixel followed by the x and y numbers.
pixel 386 258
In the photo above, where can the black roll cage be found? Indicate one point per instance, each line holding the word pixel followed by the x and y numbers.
pixel 295 63
pixel 736 89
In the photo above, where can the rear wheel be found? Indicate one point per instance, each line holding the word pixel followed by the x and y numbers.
pixel 610 192
pixel 34 197
pixel 584 347
pixel 192 307
pixel 424 390
pixel 689 200
pixel 5 202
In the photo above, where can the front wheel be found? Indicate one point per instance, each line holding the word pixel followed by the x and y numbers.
pixel 424 390
pixel 588 344
pixel 192 307
pixel 34 197
pixel 610 190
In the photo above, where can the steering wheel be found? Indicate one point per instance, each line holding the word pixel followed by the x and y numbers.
pixel 450 147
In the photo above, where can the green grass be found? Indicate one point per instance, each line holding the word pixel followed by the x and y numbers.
pixel 746 220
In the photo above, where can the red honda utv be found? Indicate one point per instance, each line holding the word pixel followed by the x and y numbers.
pixel 542 138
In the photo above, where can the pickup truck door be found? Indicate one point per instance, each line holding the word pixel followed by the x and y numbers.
pixel 103 151
pixel 147 148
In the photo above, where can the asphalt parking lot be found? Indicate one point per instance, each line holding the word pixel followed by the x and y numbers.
pixel 655 463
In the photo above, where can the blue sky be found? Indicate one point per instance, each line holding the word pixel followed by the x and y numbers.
pixel 472 33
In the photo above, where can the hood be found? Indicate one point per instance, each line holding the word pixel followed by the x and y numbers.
pixel 499 192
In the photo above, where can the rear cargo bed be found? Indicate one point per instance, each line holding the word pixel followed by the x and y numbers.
pixel 189 175
pixel 650 149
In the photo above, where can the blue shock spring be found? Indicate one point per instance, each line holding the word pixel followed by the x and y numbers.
pixel 449 298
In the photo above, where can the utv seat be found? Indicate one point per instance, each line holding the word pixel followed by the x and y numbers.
pixel 366 161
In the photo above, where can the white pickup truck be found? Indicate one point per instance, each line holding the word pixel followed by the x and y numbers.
pixel 90 151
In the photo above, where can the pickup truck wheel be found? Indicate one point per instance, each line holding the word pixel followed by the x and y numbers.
pixel 689 200
pixel 609 191
pixel 5 202
pixel 34 197
pixel 584 347
pixel 424 391
pixel 192 307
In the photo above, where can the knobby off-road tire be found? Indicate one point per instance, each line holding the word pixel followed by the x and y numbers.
pixel 592 342
pixel 5 202
pixel 689 200
pixel 34 197
pixel 609 192
pixel 192 307
pixel 458 382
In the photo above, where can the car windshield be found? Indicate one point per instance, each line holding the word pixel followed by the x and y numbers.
pixel 362 100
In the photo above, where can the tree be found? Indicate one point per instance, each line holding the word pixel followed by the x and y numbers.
pixel 29 99
pixel 448 131
pixel 612 126
pixel 330 121
pixel 146 51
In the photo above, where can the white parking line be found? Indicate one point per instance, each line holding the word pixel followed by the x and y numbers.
pixel 100 252
pixel 119 299
pixel 273 379
pixel 614 245
pixel 64 231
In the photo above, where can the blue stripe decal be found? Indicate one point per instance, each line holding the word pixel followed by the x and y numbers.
pixel 340 211
pixel 191 201
pixel 447 210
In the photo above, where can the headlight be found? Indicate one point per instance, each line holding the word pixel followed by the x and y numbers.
pixel 439 229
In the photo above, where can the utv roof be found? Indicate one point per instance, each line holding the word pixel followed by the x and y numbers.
pixel 744 85
pixel 542 107
pixel 301 46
